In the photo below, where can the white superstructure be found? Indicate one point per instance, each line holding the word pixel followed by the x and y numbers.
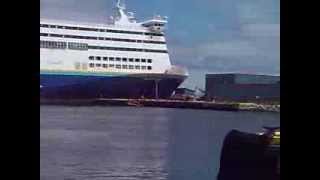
pixel 123 46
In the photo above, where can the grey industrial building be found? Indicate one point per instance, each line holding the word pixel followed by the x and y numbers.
pixel 242 87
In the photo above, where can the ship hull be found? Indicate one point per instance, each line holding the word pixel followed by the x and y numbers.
pixel 57 86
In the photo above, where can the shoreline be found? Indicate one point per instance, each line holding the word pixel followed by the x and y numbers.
pixel 165 103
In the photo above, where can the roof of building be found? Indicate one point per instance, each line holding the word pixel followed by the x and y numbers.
pixel 240 74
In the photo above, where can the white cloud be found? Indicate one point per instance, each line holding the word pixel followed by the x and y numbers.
pixel 79 10
pixel 234 48
pixel 261 30
pixel 261 11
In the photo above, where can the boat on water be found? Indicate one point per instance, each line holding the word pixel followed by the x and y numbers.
pixel 251 156
pixel 119 59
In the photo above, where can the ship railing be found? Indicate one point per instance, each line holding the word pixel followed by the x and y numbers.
pixel 96 25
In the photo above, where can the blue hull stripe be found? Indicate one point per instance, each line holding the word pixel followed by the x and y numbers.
pixel 79 73
pixel 73 85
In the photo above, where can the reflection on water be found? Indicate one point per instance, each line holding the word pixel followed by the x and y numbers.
pixel 137 143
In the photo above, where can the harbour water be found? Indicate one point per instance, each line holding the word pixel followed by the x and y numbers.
pixel 117 143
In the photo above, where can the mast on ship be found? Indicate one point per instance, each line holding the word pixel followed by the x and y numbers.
pixel 123 18
pixel 156 24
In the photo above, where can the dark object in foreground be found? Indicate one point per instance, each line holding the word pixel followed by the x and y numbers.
pixel 248 156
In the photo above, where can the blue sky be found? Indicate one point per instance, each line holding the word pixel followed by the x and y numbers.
pixel 206 36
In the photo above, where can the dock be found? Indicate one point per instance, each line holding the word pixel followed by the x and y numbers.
pixel 163 103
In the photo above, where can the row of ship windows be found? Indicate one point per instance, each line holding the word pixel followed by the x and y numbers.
pixel 98 30
pixel 119 66
pixel 63 45
pixel 127 49
pixel 84 46
pixel 98 58
pixel 156 24
pixel 100 38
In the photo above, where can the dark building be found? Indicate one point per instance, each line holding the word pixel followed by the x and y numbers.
pixel 242 87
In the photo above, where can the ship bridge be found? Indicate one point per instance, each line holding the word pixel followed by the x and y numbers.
pixel 156 24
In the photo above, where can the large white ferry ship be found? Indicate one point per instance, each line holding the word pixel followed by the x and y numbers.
pixel 120 59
